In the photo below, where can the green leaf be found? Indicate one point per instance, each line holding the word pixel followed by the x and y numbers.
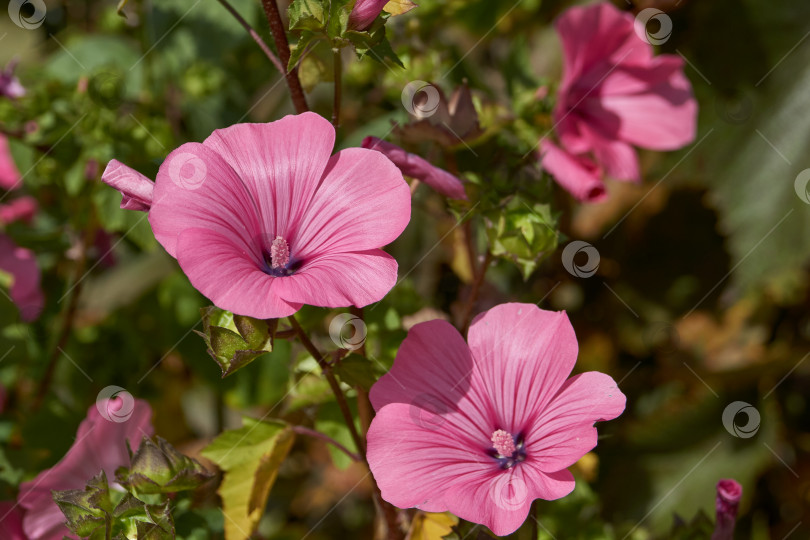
pixel 307 38
pixel 234 341
pixel 160 468
pixel 522 234
pixel 307 15
pixel 355 370
pixel 250 458
pixel 86 509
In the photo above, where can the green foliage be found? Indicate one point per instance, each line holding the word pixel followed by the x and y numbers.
pixel 160 468
pixel 234 341
pixel 250 458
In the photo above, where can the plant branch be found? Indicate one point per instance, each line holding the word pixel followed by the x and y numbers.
pixel 255 35
pixel 326 438
pixel 330 377
pixel 338 75
pixel 476 289
pixel 283 47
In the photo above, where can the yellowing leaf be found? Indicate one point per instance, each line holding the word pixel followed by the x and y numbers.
pixel 398 7
pixel 250 457
pixel 427 526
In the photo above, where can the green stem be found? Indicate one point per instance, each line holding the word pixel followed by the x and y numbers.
pixel 326 438
pixel 476 289
pixel 333 384
pixel 338 75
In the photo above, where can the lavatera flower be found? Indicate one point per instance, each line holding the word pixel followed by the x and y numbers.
pixel 263 219
pixel 484 429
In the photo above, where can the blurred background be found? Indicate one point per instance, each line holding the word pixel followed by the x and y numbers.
pixel 699 301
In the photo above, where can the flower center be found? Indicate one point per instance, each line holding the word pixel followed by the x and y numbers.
pixel 279 253
pixel 277 259
pixel 508 450
pixel 503 443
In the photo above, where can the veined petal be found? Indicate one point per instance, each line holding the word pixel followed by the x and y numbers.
pixel 577 175
pixel 362 203
pixel 524 355
pixel 135 188
pixel 222 269
pixel 281 164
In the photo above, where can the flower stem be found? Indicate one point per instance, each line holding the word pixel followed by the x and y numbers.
pixel 330 377
pixel 318 435
pixel 476 289
pixel 364 408
pixel 255 35
pixel 338 74
pixel 283 47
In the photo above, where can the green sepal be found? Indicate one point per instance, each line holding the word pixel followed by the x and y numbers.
pixel 161 468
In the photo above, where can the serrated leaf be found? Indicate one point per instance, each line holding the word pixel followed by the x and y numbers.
pixel 161 468
pixel 234 341
pixel 355 370
pixel 86 509
pixel 249 457
pixel 307 38
pixel 307 15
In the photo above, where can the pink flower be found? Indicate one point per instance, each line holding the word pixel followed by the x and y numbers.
pixel 19 209
pixel 579 175
pixel 365 12
pixel 615 94
pixel 25 289
pixel 263 220
pixel 483 430
pixel 416 167
pixel 9 174
pixel 11 518
pixel 101 444
pixel 135 188
pixel 729 493
pixel 10 86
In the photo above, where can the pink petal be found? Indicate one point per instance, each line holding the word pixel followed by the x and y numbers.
pixel 137 190
pixel 416 167
pixel 577 175
pixel 20 209
pixel 9 174
pixel 594 38
pixel 362 203
pixel 619 159
pixel 524 355
pixel 414 462
pixel 564 431
pixel 665 118
pixel 502 500
pixel 11 516
pixel 197 188
pixel 434 374
pixel 25 291
pixel 100 445
pixel 230 275
pixel 340 280
pixel 365 12
pixel 281 164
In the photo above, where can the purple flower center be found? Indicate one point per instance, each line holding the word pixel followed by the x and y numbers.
pixel 508 450
pixel 277 262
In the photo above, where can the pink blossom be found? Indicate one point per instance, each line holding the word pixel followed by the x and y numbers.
pixel 729 493
pixel 101 444
pixel 25 289
pixel 263 219
pixel 135 188
pixel 416 167
pixel 579 175
pixel 11 521
pixel 615 94
pixel 9 174
pixel 365 12
pixel 19 209
pixel 10 86
pixel 481 430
